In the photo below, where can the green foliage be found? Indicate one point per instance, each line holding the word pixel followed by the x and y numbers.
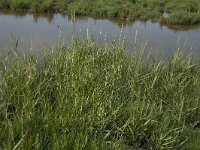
pixel 82 7
pixel 180 11
pixel 19 4
pixel 89 97
pixel 177 18
pixel 4 4
pixel 42 5
pixel 60 5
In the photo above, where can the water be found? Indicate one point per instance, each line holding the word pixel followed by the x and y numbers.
pixel 41 30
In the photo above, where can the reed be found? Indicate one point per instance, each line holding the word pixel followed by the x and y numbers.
pixel 92 97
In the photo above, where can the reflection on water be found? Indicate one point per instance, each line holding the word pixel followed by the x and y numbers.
pixel 38 30
pixel 20 14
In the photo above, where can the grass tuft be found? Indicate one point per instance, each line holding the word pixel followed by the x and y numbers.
pixel 90 97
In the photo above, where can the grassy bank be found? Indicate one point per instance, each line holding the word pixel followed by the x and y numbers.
pixel 176 12
pixel 87 97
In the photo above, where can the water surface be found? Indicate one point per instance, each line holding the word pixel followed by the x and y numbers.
pixel 38 30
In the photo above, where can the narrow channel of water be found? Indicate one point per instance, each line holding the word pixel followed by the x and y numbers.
pixel 39 30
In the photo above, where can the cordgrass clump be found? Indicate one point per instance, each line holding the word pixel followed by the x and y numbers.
pixel 90 97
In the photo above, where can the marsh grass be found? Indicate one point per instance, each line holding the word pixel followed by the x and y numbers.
pixel 91 97
pixel 182 12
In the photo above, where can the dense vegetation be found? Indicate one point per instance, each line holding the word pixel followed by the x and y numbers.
pixel 89 97
pixel 175 12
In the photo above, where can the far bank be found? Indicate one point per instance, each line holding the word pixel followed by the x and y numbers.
pixel 186 12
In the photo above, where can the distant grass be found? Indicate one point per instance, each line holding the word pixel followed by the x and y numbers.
pixel 182 12
pixel 90 97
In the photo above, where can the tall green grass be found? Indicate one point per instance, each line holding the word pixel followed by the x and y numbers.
pixel 90 97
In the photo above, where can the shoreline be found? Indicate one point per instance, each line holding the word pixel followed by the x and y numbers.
pixel 162 12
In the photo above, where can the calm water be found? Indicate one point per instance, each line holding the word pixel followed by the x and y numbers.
pixel 40 30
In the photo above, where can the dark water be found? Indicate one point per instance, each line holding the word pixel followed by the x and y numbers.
pixel 38 30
